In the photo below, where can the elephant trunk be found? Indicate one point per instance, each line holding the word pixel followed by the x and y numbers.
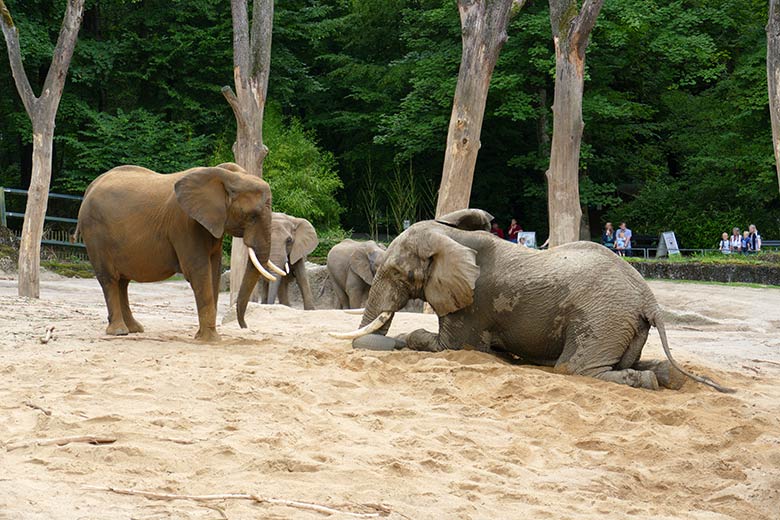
pixel 273 290
pixel 251 277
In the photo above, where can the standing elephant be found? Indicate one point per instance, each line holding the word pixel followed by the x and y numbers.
pixel 143 226
pixel 352 266
pixel 577 307
pixel 292 239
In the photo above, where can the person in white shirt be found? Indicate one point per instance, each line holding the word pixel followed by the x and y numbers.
pixel 725 244
pixel 736 240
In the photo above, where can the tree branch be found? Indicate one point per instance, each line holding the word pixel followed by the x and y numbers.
pixel 15 58
pixel 585 21
pixel 232 100
pixel 66 43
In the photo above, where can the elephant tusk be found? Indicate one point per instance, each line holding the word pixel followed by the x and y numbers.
pixel 354 311
pixel 275 268
pixel 368 329
pixel 287 267
pixel 253 257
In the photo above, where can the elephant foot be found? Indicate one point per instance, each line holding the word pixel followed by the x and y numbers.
pixel 134 327
pixel 117 329
pixel 207 335
pixel 665 373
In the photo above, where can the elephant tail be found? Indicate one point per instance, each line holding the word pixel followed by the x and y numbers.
pixel 659 324
pixel 75 236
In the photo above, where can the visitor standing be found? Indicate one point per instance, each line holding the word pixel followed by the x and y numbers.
pixel 755 239
pixel 608 236
pixel 746 242
pixel 627 235
pixel 620 243
pixel 736 241
pixel 725 244
pixel 496 230
pixel 514 229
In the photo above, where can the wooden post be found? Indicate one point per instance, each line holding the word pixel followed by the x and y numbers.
pixel 42 110
pixel 571 31
pixel 3 220
pixel 251 64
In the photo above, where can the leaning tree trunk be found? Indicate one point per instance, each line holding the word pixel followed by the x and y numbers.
pixel 571 31
pixel 483 27
pixel 42 111
pixel 773 77
pixel 251 63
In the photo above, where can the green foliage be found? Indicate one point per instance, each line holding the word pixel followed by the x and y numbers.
pixel 302 177
pixel 328 238
pixel 136 137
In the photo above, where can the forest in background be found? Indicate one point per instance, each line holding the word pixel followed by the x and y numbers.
pixel 677 131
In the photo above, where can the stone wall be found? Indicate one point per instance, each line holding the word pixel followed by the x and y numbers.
pixel 745 273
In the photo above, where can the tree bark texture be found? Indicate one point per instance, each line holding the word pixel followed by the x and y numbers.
pixel 42 111
pixel 773 77
pixel 483 26
pixel 570 29
pixel 251 64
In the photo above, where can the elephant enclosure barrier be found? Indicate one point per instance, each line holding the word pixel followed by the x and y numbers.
pixel 58 230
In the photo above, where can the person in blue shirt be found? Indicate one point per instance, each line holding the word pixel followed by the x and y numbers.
pixel 627 236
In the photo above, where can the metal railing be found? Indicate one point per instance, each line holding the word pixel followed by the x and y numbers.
pixel 60 238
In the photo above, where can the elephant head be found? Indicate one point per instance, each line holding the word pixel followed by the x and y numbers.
pixel 424 262
pixel 366 261
pixel 292 239
pixel 225 199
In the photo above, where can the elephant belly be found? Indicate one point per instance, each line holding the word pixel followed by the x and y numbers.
pixel 537 348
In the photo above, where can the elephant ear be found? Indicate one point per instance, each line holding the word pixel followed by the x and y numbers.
pixel 305 239
pixel 360 264
pixel 202 195
pixel 233 167
pixel 452 274
pixel 467 219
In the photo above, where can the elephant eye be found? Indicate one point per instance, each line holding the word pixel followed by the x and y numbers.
pixel 289 240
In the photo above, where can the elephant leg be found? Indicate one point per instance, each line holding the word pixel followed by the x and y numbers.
pixel 263 285
pixel 357 296
pixel 216 273
pixel 665 373
pixel 583 356
pixel 199 276
pixel 299 270
pixel 284 291
pixel 127 314
pixel 422 340
pixel 340 295
pixel 111 292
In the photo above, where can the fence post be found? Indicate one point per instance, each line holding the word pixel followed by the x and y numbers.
pixel 3 221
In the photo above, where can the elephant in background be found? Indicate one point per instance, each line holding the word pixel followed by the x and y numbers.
pixel 292 238
pixel 143 226
pixel 577 307
pixel 351 267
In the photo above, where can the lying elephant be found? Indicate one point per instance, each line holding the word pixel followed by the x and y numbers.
pixel 143 226
pixel 292 238
pixel 351 267
pixel 577 307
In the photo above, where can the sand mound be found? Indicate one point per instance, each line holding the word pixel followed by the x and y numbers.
pixel 283 410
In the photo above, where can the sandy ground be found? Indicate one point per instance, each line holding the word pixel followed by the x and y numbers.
pixel 282 410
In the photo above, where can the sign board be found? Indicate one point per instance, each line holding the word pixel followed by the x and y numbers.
pixel 667 245
pixel 530 239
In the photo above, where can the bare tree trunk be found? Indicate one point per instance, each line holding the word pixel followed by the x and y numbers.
pixel 42 112
pixel 251 64
pixel 773 77
pixel 571 31
pixel 483 25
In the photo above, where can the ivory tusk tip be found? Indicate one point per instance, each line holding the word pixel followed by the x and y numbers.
pixel 275 268
pixel 354 311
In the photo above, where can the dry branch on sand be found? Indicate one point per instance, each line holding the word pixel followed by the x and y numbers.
pixel 49 332
pixel 378 510
pixel 62 441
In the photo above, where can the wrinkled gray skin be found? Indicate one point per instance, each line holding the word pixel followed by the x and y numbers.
pixel 576 307
pixel 143 226
pixel 292 238
pixel 351 267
